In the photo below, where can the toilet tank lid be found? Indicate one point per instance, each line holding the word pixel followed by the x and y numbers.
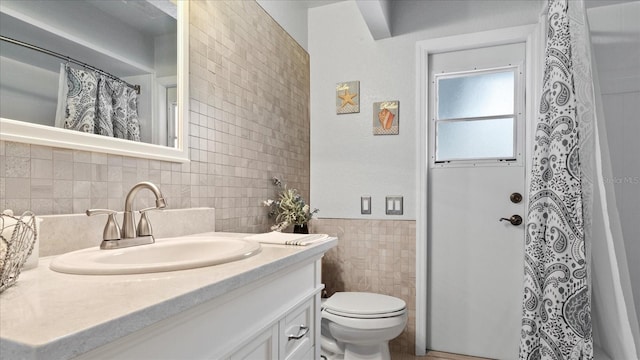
pixel 363 303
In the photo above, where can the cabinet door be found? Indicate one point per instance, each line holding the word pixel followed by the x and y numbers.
pixel 297 334
pixel 263 346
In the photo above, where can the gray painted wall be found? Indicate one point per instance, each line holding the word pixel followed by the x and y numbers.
pixel 347 161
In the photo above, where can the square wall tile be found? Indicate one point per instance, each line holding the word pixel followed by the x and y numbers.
pixel 373 256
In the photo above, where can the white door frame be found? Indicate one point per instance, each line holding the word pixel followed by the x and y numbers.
pixel 530 34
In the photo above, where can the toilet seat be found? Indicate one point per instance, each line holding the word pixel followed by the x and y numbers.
pixel 362 305
pixel 361 316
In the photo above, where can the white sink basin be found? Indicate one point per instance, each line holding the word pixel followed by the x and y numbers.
pixel 164 255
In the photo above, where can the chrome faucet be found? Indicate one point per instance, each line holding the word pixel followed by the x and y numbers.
pixel 128 227
pixel 113 237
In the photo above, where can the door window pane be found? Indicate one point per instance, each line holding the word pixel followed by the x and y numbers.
pixel 475 115
pixel 478 95
pixel 475 139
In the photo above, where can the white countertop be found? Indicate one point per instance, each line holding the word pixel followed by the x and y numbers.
pixel 59 316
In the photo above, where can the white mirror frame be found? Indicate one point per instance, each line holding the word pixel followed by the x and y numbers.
pixel 24 132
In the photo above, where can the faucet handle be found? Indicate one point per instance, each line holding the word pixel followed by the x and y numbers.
pixel 144 225
pixel 111 229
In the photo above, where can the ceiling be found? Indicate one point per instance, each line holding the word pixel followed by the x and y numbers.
pixel 148 17
pixel 316 3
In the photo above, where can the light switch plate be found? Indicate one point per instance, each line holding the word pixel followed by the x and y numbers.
pixel 365 205
pixel 393 205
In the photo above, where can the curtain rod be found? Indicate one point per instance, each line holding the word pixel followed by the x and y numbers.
pixel 68 59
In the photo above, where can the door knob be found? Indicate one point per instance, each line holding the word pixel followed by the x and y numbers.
pixel 515 220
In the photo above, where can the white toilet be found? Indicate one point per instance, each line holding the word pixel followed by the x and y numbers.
pixel 359 325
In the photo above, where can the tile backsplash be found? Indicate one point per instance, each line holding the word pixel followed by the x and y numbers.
pixel 373 256
pixel 249 121
pixel 69 232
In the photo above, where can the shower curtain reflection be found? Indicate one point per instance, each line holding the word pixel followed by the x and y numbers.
pixel 94 103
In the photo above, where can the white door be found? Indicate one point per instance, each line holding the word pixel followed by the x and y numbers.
pixel 475 261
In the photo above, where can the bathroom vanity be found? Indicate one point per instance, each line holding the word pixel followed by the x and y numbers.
pixel 262 307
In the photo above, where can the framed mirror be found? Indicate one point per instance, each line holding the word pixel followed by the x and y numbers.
pixel 136 42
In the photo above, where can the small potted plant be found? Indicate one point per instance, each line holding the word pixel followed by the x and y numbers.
pixel 289 208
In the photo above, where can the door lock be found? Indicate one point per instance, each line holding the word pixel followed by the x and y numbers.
pixel 515 220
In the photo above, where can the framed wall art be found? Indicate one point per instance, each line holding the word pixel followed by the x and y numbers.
pixel 348 97
pixel 386 118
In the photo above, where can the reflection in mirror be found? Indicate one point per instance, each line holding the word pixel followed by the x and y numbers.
pixel 172 116
pixel 73 74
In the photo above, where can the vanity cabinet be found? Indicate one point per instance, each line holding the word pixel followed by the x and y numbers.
pixel 292 338
pixel 276 317
pixel 266 306
pixel 262 346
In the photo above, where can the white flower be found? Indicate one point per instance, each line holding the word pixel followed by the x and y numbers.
pixel 267 202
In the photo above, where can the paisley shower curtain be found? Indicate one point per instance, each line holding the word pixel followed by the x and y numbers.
pixel 76 100
pixel 124 115
pixel 94 103
pixel 563 223
pixel 556 309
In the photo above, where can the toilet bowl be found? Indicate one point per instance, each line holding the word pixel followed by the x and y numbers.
pixel 359 325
